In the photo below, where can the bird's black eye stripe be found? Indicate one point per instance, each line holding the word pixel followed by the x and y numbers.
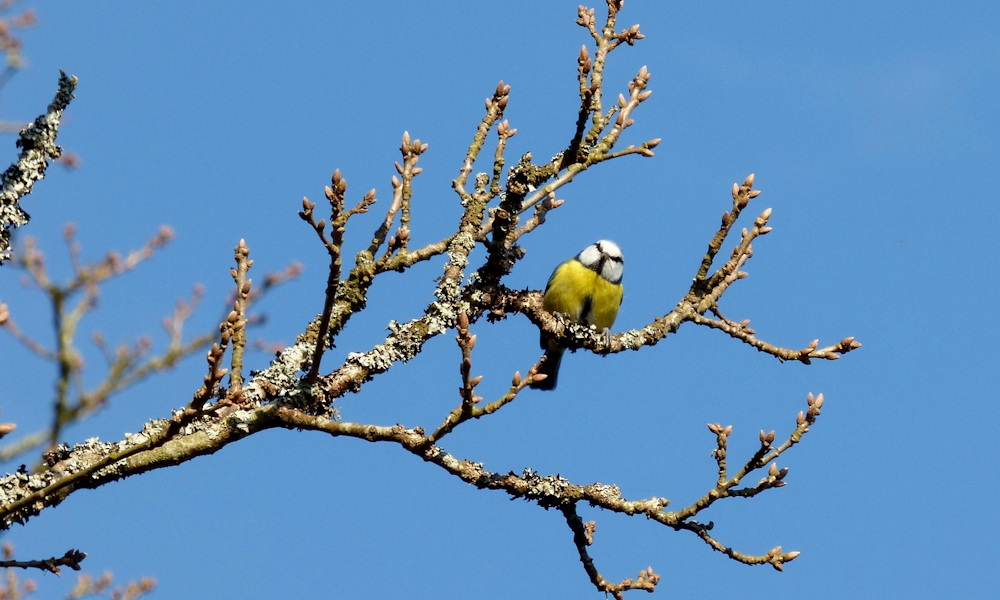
pixel 605 258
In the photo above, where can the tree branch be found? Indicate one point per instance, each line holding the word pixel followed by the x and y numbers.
pixel 38 146
pixel 71 559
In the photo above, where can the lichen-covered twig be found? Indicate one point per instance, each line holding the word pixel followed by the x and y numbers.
pixel 161 444
pixel 38 145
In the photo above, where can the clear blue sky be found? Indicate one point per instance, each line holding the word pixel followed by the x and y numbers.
pixel 872 129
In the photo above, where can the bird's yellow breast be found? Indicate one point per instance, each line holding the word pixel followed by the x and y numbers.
pixel 582 294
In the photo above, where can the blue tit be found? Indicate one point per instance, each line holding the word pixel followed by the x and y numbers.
pixel 586 288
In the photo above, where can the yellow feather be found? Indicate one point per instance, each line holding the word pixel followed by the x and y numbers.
pixel 582 294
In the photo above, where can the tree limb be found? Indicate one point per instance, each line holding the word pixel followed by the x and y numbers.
pixel 38 145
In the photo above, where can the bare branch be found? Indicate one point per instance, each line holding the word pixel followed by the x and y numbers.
pixel 583 536
pixel 71 559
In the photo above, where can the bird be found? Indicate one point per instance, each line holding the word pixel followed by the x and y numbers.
pixel 588 290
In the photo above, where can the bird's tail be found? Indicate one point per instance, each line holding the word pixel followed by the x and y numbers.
pixel 550 367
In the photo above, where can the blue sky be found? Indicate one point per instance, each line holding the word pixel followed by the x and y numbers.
pixel 872 129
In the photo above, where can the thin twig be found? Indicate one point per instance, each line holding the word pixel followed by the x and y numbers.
pixel 71 559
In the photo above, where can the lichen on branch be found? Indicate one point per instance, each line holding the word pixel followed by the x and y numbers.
pixel 38 146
